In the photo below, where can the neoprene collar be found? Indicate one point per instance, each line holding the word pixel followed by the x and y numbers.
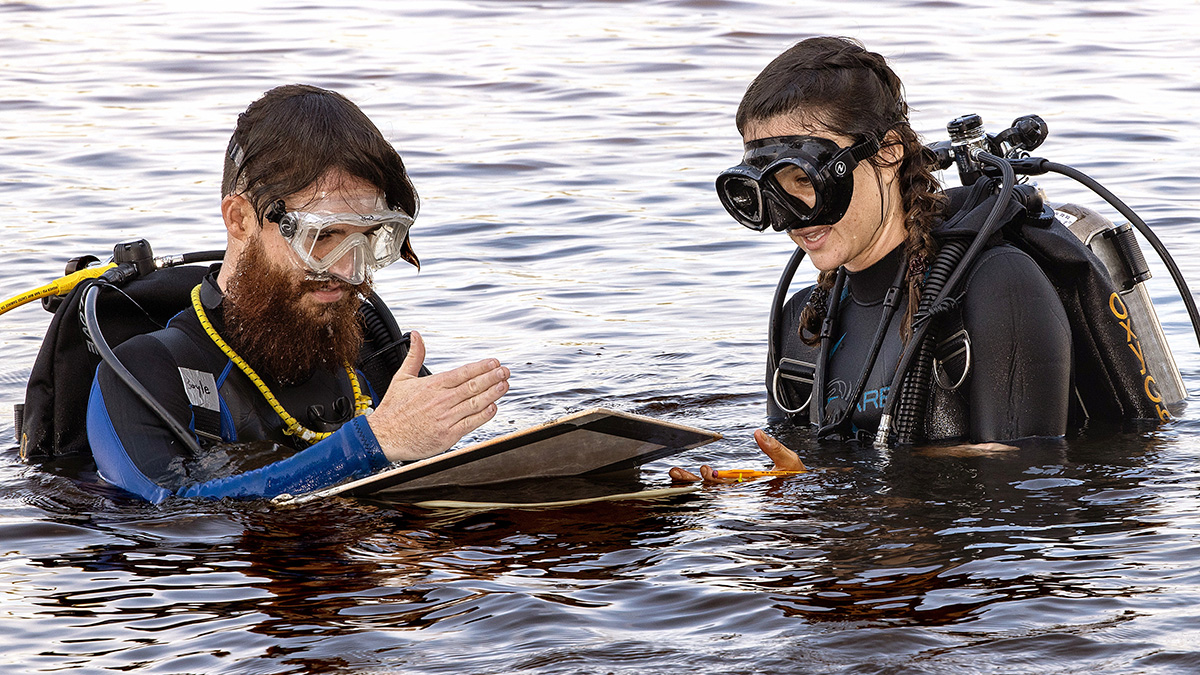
pixel 870 286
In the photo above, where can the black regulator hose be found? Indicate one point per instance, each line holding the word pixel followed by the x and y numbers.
pixel 942 301
pixel 381 335
pixel 96 336
pixel 201 256
pixel 775 324
pixel 1141 226
pixel 914 396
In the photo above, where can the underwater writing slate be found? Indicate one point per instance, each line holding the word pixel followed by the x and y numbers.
pixel 593 442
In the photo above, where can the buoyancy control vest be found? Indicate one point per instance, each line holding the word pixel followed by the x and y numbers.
pixel 52 421
pixel 1113 380
pixel 1120 356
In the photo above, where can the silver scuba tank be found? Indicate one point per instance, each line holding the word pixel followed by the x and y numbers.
pixel 1117 247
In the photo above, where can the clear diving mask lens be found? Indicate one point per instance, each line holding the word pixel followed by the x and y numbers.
pixel 347 246
pixel 789 182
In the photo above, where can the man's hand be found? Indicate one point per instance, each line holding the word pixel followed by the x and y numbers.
pixel 422 416
pixel 784 458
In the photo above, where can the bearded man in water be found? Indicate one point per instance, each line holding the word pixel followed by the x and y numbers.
pixel 261 367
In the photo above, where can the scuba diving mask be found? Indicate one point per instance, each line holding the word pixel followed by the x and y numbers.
pixel 347 246
pixel 789 182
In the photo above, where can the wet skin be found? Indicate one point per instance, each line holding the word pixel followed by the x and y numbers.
pixel 873 224
pixel 419 416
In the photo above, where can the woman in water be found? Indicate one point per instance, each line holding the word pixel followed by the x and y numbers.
pixel 831 159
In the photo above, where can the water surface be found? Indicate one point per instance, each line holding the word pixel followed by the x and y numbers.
pixel 565 154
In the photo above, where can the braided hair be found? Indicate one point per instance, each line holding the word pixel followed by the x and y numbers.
pixel 836 83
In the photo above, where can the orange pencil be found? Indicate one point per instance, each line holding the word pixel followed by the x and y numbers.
pixel 742 474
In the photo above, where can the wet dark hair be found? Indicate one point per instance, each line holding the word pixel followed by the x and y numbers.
pixel 836 83
pixel 295 134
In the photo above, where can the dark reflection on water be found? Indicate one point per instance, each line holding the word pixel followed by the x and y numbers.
pixel 1052 546
pixel 565 154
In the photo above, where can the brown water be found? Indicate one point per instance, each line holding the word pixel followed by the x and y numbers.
pixel 565 154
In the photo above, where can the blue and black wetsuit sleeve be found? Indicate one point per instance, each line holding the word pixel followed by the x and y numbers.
pixel 135 450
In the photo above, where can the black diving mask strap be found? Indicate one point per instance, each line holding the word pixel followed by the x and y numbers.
pixel 864 149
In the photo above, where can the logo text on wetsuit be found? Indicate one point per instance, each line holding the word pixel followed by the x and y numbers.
pixel 876 399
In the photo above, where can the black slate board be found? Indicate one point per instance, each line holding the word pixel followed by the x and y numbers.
pixel 593 442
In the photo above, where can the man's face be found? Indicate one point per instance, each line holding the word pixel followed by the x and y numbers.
pixel 282 323
pixel 334 193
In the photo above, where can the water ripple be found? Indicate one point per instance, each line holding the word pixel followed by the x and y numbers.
pixel 565 155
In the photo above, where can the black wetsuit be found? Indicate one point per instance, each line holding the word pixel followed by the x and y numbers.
pixel 197 383
pixel 1019 379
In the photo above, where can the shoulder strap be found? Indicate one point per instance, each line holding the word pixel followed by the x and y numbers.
pixel 198 369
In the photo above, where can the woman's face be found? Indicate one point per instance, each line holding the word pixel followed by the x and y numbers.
pixel 874 222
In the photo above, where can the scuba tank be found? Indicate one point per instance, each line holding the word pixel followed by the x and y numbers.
pixel 1117 247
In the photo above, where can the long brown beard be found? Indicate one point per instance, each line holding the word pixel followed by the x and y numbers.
pixel 280 338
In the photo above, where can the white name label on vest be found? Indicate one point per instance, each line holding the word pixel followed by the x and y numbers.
pixel 201 388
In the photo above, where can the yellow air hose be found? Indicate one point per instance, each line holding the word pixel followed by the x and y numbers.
pixel 57 287
pixel 291 427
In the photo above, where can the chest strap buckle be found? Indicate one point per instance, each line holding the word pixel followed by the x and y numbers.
pixel 951 354
pixel 801 372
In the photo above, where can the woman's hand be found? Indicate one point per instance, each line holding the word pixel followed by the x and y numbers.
pixel 784 458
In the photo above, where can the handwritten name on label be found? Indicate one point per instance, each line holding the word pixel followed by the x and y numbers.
pixel 201 388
